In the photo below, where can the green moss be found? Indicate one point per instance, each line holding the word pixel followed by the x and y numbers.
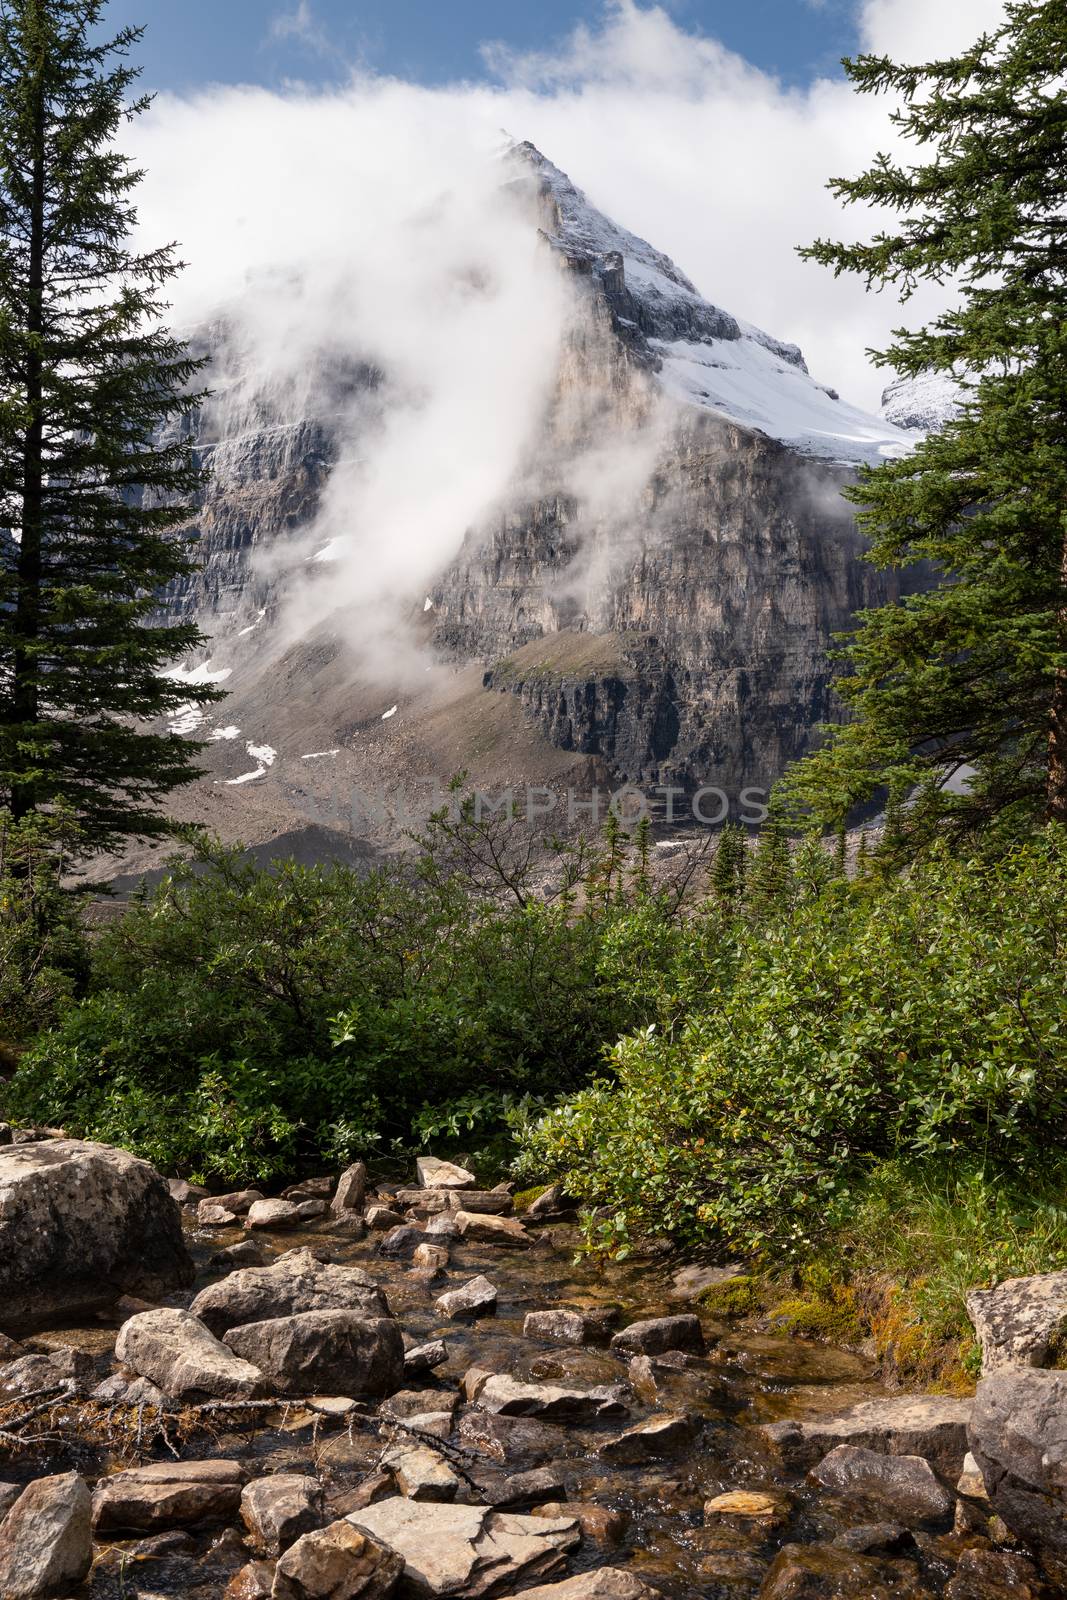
pixel 832 1315
pixel 742 1296
pixel 526 1197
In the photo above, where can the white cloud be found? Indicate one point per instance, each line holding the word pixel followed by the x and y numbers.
pixel 365 222
pixel 925 30
pixel 300 27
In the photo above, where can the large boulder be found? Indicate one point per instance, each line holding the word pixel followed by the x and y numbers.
pixel 1022 1322
pixel 80 1225
pixel 296 1283
pixel 167 1494
pixel 324 1352
pixel 45 1539
pixel 175 1350
pixel 467 1550
pixel 1018 1436
pixel 927 1425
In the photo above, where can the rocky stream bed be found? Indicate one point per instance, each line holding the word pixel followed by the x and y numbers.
pixel 356 1391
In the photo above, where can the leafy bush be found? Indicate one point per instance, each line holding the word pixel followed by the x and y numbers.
pixel 918 1019
pixel 243 1023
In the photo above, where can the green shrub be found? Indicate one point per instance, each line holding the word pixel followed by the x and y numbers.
pixel 44 958
pixel 918 1019
pixel 241 1022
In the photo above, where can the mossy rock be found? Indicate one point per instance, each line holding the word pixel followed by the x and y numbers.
pixel 742 1296
pixel 526 1197
pixel 833 1317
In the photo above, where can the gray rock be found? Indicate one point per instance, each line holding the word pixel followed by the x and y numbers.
pixel 382 1218
pixel 559 1326
pixel 421 1473
pixel 527 1488
pixel 689 1283
pixel 119 1390
pixel 338 1562
pixel 239 1201
pixel 9 1493
pixel 398 1241
pixel 442 1226
pixel 478 1228
pixel 434 1174
pixel 603 1583
pixel 906 1486
pixel 278 1510
pixel 81 1225
pixel 324 1352
pixel 184 1194
pixel 425 1357
pixel 1018 1435
pixel 283 1213
pixel 663 1435
pixel 933 1426
pixel 432 1258
pixel 658 1334
pixel 45 1538
pixel 1022 1322
pixel 996 1575
pixel 210 1215
pixel 28 1375
pixel 178 1353
pixel 245 1253
pixel 475 1299
pixel 167 1494
pixel 297 1282
pixel 351 1188
pixel 503 1395
pixel 253 1582
pixel 549 1203
pixel 470 1551
pixel 875 1539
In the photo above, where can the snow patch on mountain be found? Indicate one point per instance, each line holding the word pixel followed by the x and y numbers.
pixel 923 403
pixel 708 358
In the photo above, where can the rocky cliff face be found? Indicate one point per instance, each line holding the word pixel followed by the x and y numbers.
pixel 653 601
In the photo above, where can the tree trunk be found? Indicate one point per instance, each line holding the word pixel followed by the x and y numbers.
pixel 25 698
pixel 1056 795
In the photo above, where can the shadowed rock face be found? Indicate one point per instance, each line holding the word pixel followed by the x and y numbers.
pixel 80 1225
pixel 670 627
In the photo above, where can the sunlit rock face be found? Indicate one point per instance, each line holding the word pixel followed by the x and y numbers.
pixel 652 599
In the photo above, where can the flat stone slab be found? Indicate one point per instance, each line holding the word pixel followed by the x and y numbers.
pixel 605 1583
pixel 168 1494
pixel 467 1550
pixel 933 1426
pixel 502 1395
pixel 435 1174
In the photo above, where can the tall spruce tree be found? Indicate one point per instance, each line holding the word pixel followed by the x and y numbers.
pixel 967 679
pixel 90 382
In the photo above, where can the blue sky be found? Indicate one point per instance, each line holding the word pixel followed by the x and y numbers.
pixel 193 42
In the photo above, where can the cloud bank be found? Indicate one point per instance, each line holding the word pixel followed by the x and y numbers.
pixel 364 224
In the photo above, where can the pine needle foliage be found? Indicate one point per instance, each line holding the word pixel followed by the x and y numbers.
pixel 96 469
pixel 967 680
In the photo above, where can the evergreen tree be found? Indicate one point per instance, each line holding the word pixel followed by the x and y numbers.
pixel 728 867
pixel 91 500
pixel 967 679
pixel 770 878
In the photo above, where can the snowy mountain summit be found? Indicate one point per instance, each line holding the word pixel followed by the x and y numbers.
pixel 704 356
